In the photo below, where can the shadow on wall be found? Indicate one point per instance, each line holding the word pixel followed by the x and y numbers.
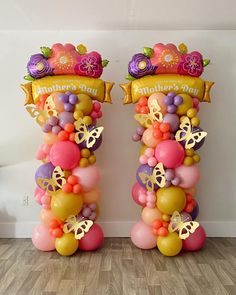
pixel 7 224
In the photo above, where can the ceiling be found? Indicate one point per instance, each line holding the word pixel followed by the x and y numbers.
pixel 117 15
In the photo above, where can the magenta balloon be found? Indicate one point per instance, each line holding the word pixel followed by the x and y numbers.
pixel 42 239
pixel 137 189
pixel 170 153
pixel 196 240
pixel 93 239
pixel 142 236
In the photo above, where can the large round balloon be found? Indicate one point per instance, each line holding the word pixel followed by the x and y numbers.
pixel 186 105
pixel 67 244
pixel 44 171
pixel 188 175
pixel 169 245
pixel 42 239
pixel 88 177
pixel 146 169
pixel 93 239
pixel 172 120
pixel 170 153
pixel 148 139
pixel 196 240
pixel 150 214
pixel 142 236
pixel 170 199
pixel 159 97
pixel 65 154
pixel 91 196
pixel 65 204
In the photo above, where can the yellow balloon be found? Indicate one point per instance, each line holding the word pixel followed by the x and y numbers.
pixel 67 244
pixel 91 196
pixel 150 214
pixel 65 204
pixel 85 104
pixel 170 245
pixel 186 105
pixel 170 199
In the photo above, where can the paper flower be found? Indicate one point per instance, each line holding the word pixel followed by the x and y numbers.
pixel 140 66
pixel 38 66
pixel 89 64
pixel 166 58
pixel 63 59
pixel 192 64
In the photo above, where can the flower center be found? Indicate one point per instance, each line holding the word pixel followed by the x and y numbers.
pixel 142 65
pixel 63 60
pixel 168 57
pixel 40 66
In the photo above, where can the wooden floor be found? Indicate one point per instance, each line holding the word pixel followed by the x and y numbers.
pixel 118 268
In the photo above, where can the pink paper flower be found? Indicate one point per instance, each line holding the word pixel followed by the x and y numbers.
pixel 63 59
pixel 89 64
pixel 166 58
pixel 192 64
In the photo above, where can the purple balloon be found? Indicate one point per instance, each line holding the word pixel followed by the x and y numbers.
pixel 171 109
pixel 97 143
pixel 68 107
pixel 147 170
pixel 172 120
pixel 195 212
pixel 178 100
pixel 168 100
pixel 44 171
pixel 186 217
pixel 64 118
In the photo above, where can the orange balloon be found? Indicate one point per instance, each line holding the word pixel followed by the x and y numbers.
pixel 91 196
pixel 50 138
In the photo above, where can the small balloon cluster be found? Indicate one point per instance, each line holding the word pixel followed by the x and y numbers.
pixel 170 134
pixel 67 180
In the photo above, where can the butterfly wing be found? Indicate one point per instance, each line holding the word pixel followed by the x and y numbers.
pixel 175 222
pixel 147 180
pixel 187 229
pixel 155 111
pixel 184 133
pixel 92 136
pixel 40 115
pixel 82 227
pixel 82 131
pixel 50 106
pixel 58 176
pixel 47 185
pixel 144 119
pixel 70 224
pixel 158 175
pixel 194 138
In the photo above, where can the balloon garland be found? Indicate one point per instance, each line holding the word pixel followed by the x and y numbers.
pixel 64 96
pixel 166 88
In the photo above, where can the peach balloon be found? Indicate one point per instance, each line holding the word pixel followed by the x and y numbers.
pixel 92 196
pixel 150 214
pixel 148 139
pixel 50 138
pixel 159 97
pixel 46 216
pixel 59 106
pixel 189 175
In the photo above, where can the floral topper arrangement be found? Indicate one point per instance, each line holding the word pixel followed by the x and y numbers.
pixel 166 59
pixel 65 60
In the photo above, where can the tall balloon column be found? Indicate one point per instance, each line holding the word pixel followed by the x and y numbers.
pixel 166 88
pixel 64 96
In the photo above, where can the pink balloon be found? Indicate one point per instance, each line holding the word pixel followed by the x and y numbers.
pixel 137 189
pixel 170 153
pixel 142 236
pixel 65 154
pixel 188 175
pixel 88 177
pixel 42 239
pixel 93 239
pixel 196 240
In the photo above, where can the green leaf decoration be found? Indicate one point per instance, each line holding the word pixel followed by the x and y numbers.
pixel 129 77
pixel 206 62
pixel 148 51
pixel 29 78
pixel 105 62
pixel 46 51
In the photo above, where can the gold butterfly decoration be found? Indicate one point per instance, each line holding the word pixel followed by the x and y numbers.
pixel 79 227
pixel 50 106
pixel 190 136
pixel 83 134
pixel 40 115
pixel 155 114
pixel 51 185
pixel 184 228
pixel 156 178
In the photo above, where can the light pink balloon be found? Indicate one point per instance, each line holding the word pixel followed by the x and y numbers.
pixel 189 175
pixel 142 236
pixel 88 177
pixel 42 239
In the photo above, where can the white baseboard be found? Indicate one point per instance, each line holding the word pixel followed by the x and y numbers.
pixel 116 229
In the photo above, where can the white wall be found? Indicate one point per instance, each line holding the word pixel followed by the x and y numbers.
pixel 118 157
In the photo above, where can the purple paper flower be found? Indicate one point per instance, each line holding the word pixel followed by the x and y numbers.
pixel 89 64
pixel 140 66
pixel 38 66
pixel 191 64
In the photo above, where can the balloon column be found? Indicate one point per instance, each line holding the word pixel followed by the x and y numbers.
pixel 165 85
pixel 64 96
